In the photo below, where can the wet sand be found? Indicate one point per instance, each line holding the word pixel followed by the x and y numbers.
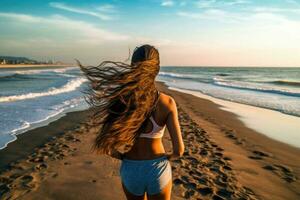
pixel 223 160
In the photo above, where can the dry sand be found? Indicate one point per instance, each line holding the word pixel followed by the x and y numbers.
pixel 223 160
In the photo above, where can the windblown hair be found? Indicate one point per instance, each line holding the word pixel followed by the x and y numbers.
pixel 122 97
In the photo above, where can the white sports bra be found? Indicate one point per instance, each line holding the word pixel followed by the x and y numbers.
pixel 157 131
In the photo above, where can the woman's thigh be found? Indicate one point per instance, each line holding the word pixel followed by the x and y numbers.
pixel 130 196
pixel 165 193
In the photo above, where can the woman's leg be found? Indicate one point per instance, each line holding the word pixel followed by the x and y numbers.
pixel 165 193
pixel 130 196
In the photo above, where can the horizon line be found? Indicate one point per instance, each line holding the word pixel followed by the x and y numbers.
pixel 229 66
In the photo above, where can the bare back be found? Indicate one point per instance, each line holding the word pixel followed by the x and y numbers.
pixel 151 148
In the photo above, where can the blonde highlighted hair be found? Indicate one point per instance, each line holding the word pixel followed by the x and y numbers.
pixel 122 97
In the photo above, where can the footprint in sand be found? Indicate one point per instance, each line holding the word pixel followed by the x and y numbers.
pixel 88 162
pixel 219 162
pixel 53 174
pixel 226 167
pixel 41 166
pixel 214 145
pixel 282 171
pixel 219 149
pixel 240 141
pixel 192 159
pixel 206 191
pixel 255 157
pixel 259 155
pixel 230 135
pixel 218 154
pixel 178 181
pixel 204 172
pixel 204 152
pixel 4 189
pixel 27 182
pixel 188 194
pixel 226 193
pixel 227 158
pixel 220 181
pixel 67 163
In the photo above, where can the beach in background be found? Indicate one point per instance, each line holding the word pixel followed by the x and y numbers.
pixel 239 125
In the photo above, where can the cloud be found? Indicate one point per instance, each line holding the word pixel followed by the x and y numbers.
pixel 183 2
pixel 203 4
pixel 206 3
pixel 99 15
pixel 263 38
pixel 107 8
pixel 21 17
pixel 61 38
pixel 276 10
pixel 213 14
pixel 64 31
pixel 236 2
pixel 292 2
pixel 255 18
pixel 263 23
pixel 167 3
pixel 84 31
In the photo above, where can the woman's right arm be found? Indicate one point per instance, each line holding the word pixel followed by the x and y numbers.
pixel 174 130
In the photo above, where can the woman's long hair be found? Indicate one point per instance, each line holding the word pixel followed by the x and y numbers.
pixel 122 97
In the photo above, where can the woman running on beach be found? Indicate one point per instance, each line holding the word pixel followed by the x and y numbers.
pixel 133 115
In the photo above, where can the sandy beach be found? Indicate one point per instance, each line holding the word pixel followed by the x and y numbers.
pixel 223 160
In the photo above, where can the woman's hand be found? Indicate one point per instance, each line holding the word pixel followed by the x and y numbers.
pixel 117 155
pixel 170 156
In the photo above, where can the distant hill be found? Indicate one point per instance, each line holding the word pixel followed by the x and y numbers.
pixel 17 59
pixel 13 60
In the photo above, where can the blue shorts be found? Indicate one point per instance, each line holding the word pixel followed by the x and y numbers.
pixel 140 176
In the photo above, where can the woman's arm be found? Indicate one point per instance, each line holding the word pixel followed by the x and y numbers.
pixel 174 130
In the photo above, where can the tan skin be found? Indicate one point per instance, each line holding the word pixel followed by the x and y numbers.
pixel 151 148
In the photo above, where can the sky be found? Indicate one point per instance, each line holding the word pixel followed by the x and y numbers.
pixel 186 32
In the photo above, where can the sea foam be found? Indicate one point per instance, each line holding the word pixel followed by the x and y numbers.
pixel 70 86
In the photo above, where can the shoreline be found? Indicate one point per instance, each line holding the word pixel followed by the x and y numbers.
pixel 27 142
pixel 34 66
pixel 248 114
pixel 218 145
pixel 42 123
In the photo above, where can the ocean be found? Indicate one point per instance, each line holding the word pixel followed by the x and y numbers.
pixel 272 88
pixel 264 99
pixel 31 97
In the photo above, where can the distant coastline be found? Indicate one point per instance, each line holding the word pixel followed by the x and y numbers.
pixel 35 65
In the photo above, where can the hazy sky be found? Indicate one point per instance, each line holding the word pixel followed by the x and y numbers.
pixel 186 32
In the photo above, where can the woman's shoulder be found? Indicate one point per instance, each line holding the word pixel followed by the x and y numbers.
pixel 166 100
